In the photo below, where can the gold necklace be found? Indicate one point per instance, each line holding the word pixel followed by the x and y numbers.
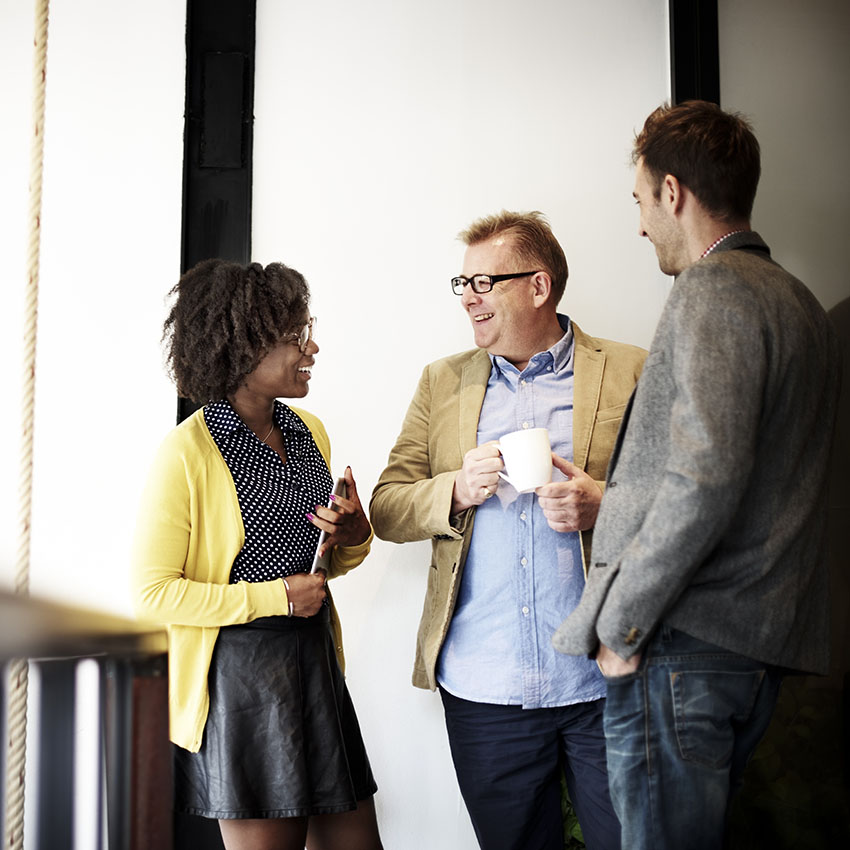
pixel 269 434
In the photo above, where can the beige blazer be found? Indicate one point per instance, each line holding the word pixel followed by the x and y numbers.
pixel 412 499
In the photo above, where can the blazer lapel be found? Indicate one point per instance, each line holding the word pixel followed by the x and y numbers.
pixel 589 366
pixel 473 386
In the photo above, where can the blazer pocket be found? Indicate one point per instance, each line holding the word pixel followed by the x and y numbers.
pixel 602 440
pixel 611 413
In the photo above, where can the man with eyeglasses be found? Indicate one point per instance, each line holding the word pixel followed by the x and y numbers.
pixel 507 570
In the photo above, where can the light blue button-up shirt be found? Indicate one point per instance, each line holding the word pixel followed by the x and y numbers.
pixel 521 579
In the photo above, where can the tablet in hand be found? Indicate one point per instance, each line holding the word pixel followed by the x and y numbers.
pixel 324 562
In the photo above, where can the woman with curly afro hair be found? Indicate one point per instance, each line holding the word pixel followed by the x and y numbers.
pixel 266 738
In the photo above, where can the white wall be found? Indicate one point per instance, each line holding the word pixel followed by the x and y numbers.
pixel 16 34
pixel 786 65
pixel 110 250
pixel 382 129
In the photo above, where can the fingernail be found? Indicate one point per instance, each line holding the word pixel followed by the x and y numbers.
pixel 333 498
pixel 310 516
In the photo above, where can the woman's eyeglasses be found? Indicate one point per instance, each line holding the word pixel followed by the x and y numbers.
pixel 303 337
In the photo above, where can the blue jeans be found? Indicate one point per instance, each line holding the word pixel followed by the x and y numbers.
pixel 680 731
pixel 508 762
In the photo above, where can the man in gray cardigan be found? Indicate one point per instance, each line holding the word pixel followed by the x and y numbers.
pixel 708 579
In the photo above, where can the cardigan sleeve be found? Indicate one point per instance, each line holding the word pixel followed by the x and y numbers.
pixel 182 555
pixel 345 558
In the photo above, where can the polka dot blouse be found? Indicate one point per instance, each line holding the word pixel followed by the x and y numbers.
pixel 274 497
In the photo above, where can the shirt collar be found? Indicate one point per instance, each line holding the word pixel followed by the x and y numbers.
pixel 230 421
pixel 716 242
pixel 559 356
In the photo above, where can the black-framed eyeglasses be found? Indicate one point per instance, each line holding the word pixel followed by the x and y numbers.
pixel 482 283
pixel 303 337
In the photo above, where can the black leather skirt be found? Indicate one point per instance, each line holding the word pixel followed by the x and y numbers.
pixel 282 738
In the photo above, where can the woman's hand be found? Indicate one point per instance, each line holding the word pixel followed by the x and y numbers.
pixel 306 593
pixel 346 523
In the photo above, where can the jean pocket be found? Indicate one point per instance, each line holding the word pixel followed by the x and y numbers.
pixel 707 705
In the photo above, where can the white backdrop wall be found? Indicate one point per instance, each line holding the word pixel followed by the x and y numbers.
pixel 786 65
pixel 381 130
pixel 110 250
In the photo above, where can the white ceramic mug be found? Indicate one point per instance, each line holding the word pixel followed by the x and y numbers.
pixel 528 458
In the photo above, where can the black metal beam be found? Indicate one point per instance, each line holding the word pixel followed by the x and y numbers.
pixel 694 51
pixel 56 755
pixel 117 712
pixel 218 136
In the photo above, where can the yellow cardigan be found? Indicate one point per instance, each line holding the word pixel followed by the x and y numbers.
pixel 188 534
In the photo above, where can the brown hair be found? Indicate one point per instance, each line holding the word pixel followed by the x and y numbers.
pixel 224 319
pixel 532 240
pixel 712 152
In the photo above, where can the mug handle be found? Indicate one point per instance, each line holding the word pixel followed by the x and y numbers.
pixel 502 474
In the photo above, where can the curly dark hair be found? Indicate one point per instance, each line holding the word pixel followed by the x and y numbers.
pixel 225 318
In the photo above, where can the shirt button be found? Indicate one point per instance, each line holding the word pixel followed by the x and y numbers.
pixel 525 424
pixel 612 483
pixel 525 609
pixel 522 516
pixel 523 561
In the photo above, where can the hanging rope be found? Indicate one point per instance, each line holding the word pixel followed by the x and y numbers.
pixel 16 726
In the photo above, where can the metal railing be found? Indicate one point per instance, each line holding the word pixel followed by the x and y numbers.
pixel 132 761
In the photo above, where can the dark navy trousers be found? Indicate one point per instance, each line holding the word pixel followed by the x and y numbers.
pixel 508 762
